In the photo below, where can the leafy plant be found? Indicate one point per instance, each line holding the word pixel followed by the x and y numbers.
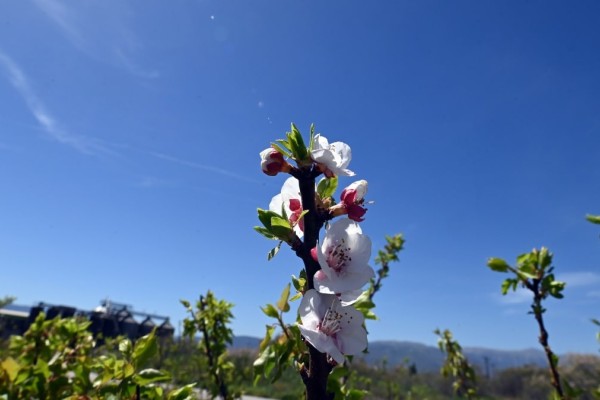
pixel 457 366
pixel 57 359
pixel 210 319
pixel 534 272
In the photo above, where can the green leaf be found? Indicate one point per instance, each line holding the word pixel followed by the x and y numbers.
pixel 544 258
pixel 145 348
pixel 282 303
pixel 265 232
pixel 527 270
pixel 151 375
pixel 274 251
pixel 265 217
pixel 312 137
pixel 524 258
pixel 285 145
pixel 365 305
pixel 556 288
pixel 498 264
pixel 267 339
pixel 127 370
pixel 270 311
pixel 302 214
pixel 509 284
pixel 338 372
pixel 297 144
pixel 327 187
pixel 274 225
pixel 281 227
pixel 183 393
pixel 298 282
pixel 41 368
pixel 185 303
pixel 11 367
pixel 296 296
pixel 356 394
pixel 281 149
pixel 594 219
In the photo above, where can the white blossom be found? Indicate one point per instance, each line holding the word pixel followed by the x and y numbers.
pixel 343 256
pixel 330 327
pixel 333 158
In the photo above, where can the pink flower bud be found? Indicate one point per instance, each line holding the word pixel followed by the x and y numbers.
pixel 313 253
pixel 271 161
pixel 296 208
pixel 353 197
pixel 355 192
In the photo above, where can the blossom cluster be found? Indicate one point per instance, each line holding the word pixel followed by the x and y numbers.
pixel 329 322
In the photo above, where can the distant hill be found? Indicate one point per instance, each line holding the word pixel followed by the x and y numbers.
pixel 430 358
pixel 245 342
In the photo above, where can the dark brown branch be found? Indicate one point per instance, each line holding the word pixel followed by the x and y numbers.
pixel 312 224
pixel 315 378
pixel 543 338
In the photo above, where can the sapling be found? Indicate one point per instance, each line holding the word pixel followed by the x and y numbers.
pixel 210 320
pixel 457 366
pixel 534 272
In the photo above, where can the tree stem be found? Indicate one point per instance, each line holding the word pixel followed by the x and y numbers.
pixel 315 379
pixel 211 359
pixel 543 339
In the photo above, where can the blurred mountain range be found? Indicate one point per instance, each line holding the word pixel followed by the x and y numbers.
pixel 427 358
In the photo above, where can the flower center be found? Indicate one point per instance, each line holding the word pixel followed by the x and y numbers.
pixel 338 255
pixel 330 325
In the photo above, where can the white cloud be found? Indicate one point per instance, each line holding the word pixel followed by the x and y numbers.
pixel 594 293
pixel 65 18
pixel 519 296
pixel 98 29
pixel 204 167
pixel 573 280
pixel 19 80
pixel 128 63
pixel 579 279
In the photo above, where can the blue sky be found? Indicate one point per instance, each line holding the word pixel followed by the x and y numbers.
pixel 130 135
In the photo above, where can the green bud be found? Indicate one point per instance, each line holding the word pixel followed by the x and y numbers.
pixel 594 219
pixel 497 264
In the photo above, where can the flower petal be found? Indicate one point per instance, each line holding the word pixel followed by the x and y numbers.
pixel 276 203
pixel 319 340
pixel 351 280
pixel 352 340
pixel 344 153
pixel 335 157
pixel 356 271
pixel 290 191
pixel 350 297
pixel 313 307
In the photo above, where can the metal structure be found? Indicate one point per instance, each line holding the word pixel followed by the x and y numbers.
pixel 110 319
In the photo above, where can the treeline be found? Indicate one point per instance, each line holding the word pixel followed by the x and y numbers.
pixel 394 383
